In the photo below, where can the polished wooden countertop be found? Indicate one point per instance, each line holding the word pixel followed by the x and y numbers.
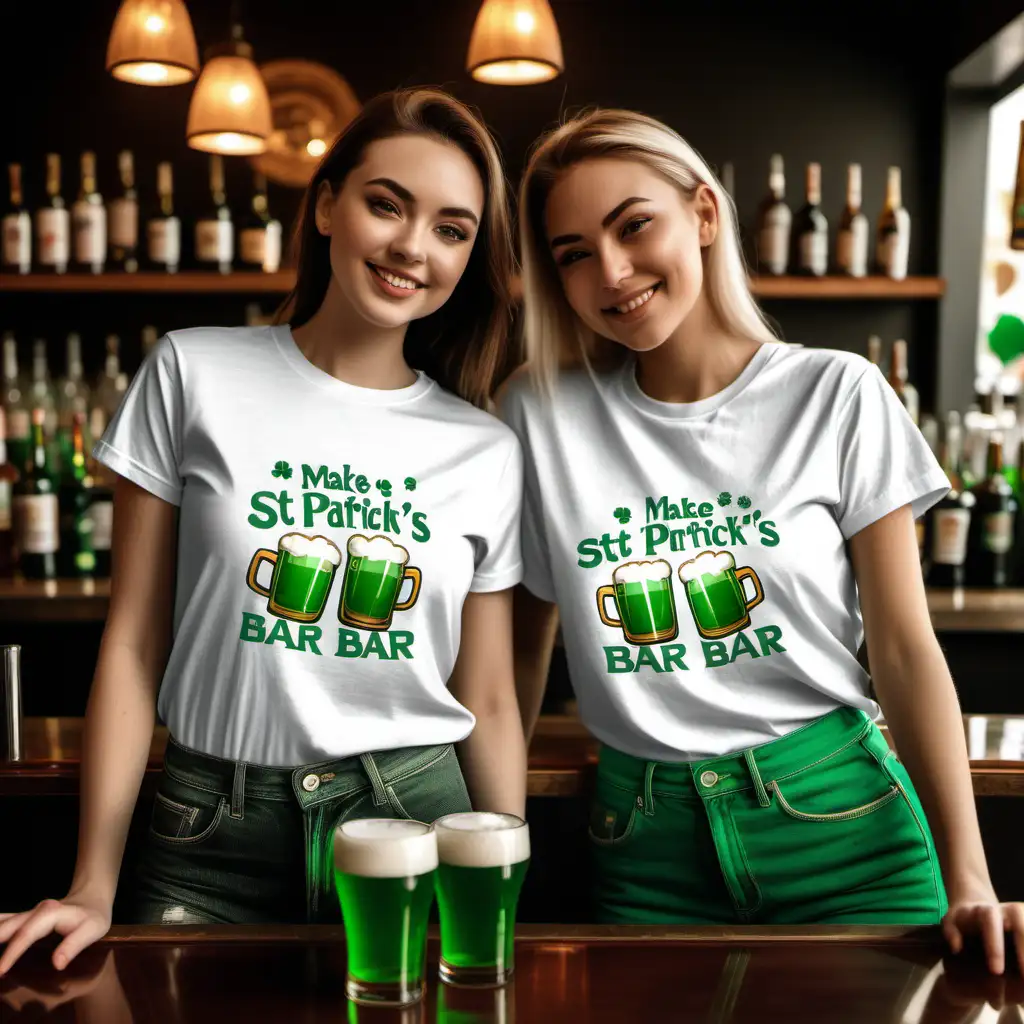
pixel 561 758
pixel 582 975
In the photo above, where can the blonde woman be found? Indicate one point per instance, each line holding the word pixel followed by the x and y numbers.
pixel 718 518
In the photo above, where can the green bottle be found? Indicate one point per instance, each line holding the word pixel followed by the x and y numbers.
pixel 35 509
pixel 76 557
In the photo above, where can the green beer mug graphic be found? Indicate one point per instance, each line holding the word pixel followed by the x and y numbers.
pixel 644 600
pixel 304 569
pixel 715 593
pixel 374 577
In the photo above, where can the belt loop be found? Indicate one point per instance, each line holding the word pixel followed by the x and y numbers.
pixel 762 795
pixel 648 790
pixel 238 791
pixel 380 797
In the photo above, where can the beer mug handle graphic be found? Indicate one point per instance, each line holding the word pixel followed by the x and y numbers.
pixel 411 573
pixel 741 575
pixel 603 593
pixel 263 555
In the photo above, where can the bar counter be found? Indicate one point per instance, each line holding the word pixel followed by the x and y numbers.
pixel 599 974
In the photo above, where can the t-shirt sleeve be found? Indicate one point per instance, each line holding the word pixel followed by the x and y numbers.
pixel 884 460
pixel 499 564
pixel 143 441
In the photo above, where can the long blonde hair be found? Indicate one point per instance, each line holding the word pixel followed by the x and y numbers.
pixel 554 336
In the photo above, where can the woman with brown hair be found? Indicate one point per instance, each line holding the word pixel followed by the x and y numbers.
pixel 315 537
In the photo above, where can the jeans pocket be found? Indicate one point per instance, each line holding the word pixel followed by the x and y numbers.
pixel 183 815
pixel 613 816
pixel 431 791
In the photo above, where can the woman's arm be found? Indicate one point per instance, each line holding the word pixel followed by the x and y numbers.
pixel 919 701
pixel 119 724
pixel 493 756
pixel 534 627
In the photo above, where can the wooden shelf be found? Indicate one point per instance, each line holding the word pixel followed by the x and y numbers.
pixel 847 288
pixel 977 611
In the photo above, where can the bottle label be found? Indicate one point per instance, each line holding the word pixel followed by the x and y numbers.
pixel 18 241
pixel 164 235
pixel 36 516
pixel 5 505
pixel 123 223
pixel 53 231
pixel 852 248
pixel 894 248
pixel 19 424
pixel 814 251
pixel 261 247
pixel 949 540
pixel 773 241
pixel 90 233
pixel 997 532
pixel 102 525
pixel 214 241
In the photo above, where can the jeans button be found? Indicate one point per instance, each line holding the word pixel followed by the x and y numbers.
pixel 708 779
pixel 310 783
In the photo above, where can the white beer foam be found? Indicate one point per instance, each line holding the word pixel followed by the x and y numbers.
pixel 635 572
pixel 480 839
pixel 385 848
pixel 378 548
pixel 316 547
pixel 711 563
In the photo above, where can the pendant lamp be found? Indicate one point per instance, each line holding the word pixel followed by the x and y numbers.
pixel 152 43
pixel 515 42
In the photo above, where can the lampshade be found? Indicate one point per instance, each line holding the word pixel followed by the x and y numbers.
pixel 152 43
pixel 230 108
pixel 515 42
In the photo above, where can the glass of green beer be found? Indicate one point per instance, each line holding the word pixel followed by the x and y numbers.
pixel 304 569
pixel 644 600
pixel 374 576
pixel 714 591
pixel 483 859
pixel 384 874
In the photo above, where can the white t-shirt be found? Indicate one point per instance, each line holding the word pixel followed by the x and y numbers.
pixel 696 551
pixel 328 536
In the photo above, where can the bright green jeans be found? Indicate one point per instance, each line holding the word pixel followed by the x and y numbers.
pixel 821 826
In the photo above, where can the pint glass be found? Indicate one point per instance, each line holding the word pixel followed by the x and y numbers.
pixel 374 577
pixel 483 859
pixel 384 873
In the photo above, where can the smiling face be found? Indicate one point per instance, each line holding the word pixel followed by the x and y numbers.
pixel 402 227
pixel 628 247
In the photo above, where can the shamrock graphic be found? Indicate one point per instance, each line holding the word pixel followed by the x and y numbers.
pixel 384 486
pixel 410 484
pixel 282 469
pixel 623 515
pixel 743 501
pixel 725 498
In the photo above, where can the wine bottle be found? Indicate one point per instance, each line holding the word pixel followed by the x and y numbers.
pixel 53 223
pixel 899 378
pixel 875 350
pixel 163 231
pixel 75 556
pixel 893 241
pixel 17 227
pixel 774 221
pixel 990 541
pixel 89 218
pixel 123 219
pixel 72 398
pixel 15 403
pixel 950 519
pixel 215 243
pixel 35 510
pixel 259 235
pixel 101 511
pixel 810 229
pixel 1017 227
pixel 109 390
pixel 149 339
pixel 42 395
pixel 8 477
pixel 852 236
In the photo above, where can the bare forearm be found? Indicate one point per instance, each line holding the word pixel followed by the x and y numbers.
pixel 924 717
pixel 534 632
pixel 493 759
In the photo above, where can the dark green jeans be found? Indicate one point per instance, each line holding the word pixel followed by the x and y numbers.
pixel 821 826
pixel 237 843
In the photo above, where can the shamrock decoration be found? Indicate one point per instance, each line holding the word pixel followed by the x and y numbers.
pixel 743 501
pixel 623 515
pixel 282 469
pixel 410 484
pixel 725 498
pixel 384 486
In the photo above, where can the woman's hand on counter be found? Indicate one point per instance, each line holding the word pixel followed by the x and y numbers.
pixel 976 910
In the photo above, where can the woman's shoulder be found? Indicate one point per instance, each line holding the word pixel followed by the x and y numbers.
pixel 524 396
pixel 219 339
pixel 835 369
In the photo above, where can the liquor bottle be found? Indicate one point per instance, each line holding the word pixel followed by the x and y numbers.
pixel 53 223
pixel 43 395
pixel 774 220
pixel 259 235
pixel 75 557
pixel 89 219
pixel 950 519
pixel 17 228
pixel 35 510
pixel 109 390
pixel 852 236
pixel 899 378
pixel 149 339
pixel 1017 227
pixel 215 243
pixel 163 230
pixel 123 219
pixel 990 541
pixel 810 229
pixel 8 477
pixel 19 420
pixel 101 512
pixel 893 241
pixel 72 398
pixel 875 350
